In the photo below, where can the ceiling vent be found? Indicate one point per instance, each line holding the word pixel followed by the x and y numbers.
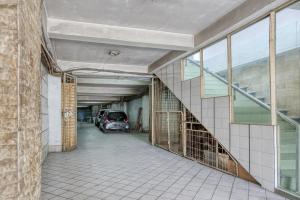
pixel 114 52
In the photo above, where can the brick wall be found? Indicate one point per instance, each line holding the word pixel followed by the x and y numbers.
pixel 20 125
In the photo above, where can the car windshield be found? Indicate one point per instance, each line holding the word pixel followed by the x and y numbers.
pixel 116 116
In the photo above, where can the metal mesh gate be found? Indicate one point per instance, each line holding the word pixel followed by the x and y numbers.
pixel 175 129
pixel 161 128
pixel 168 126
pixel 168 119
pixel 203 147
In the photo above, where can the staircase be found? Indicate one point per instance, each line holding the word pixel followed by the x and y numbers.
pixel 260 109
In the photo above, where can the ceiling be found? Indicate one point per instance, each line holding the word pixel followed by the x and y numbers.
pixel 98 53
pixel 83 32
pixel 179 16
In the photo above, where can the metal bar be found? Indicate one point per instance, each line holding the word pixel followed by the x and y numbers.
pixel 169 139
pixel 184 131
pixel 152 114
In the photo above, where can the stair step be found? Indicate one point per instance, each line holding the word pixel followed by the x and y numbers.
pixel 288 164
pixel 288 172
pixel 245 88
pixel 223 75
pixel 261 98
pixel 283 111
pixel 288 156
pixel 296 118
pixel 236 84
pixel 253 93
pixel 288 148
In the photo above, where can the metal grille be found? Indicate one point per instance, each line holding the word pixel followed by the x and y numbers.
pixel 203 147
pixel 161 129
pixel 168 118
pixel 177 130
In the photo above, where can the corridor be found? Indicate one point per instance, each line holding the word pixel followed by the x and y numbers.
pixel 124 166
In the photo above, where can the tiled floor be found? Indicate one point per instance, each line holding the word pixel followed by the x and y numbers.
pixel 122 166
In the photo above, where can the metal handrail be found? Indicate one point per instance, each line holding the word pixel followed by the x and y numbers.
pixel 256 100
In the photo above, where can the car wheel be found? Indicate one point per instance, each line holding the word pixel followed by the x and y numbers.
pixel 104 130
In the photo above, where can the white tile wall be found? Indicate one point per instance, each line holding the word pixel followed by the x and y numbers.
pixel 170 77
pixel 208 114
pixel 239 143
pixel 44 112
pixel 222 120
pixel 177 80
pixel 158 74
pixel 164 75
pixel 262 154
pixel 196 98
pixel 186 94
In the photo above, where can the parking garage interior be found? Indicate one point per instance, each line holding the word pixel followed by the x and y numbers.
pixel 144 100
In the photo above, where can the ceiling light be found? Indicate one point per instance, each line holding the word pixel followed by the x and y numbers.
pixel 114 52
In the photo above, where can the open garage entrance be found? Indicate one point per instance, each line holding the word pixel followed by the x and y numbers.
pixel 115 100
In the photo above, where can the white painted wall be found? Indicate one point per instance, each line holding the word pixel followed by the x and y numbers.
pixel 54 107
pixel 133 108
pixel 44 112
pixel 146 108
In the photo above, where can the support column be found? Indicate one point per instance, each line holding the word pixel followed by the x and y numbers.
pixel 229 75
pixel 273 66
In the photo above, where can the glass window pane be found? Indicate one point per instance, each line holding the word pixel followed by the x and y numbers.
pixel 191 66
pixel 288 95
pixel 250 74
pixel 215 69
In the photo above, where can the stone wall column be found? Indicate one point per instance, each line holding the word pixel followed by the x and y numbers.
pixel 20 124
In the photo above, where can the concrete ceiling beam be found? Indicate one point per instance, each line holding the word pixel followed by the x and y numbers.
pixel 117 35
pixel 91 102
pixel 102 94
pixel 112 82
pixel 109 90
pixel 108 75
pixel 97 98
pixel 105 67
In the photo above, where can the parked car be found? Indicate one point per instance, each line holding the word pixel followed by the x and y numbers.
pixel 98 117
pixel 114 120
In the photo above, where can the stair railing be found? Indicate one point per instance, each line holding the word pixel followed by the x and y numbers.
pixel 256 100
